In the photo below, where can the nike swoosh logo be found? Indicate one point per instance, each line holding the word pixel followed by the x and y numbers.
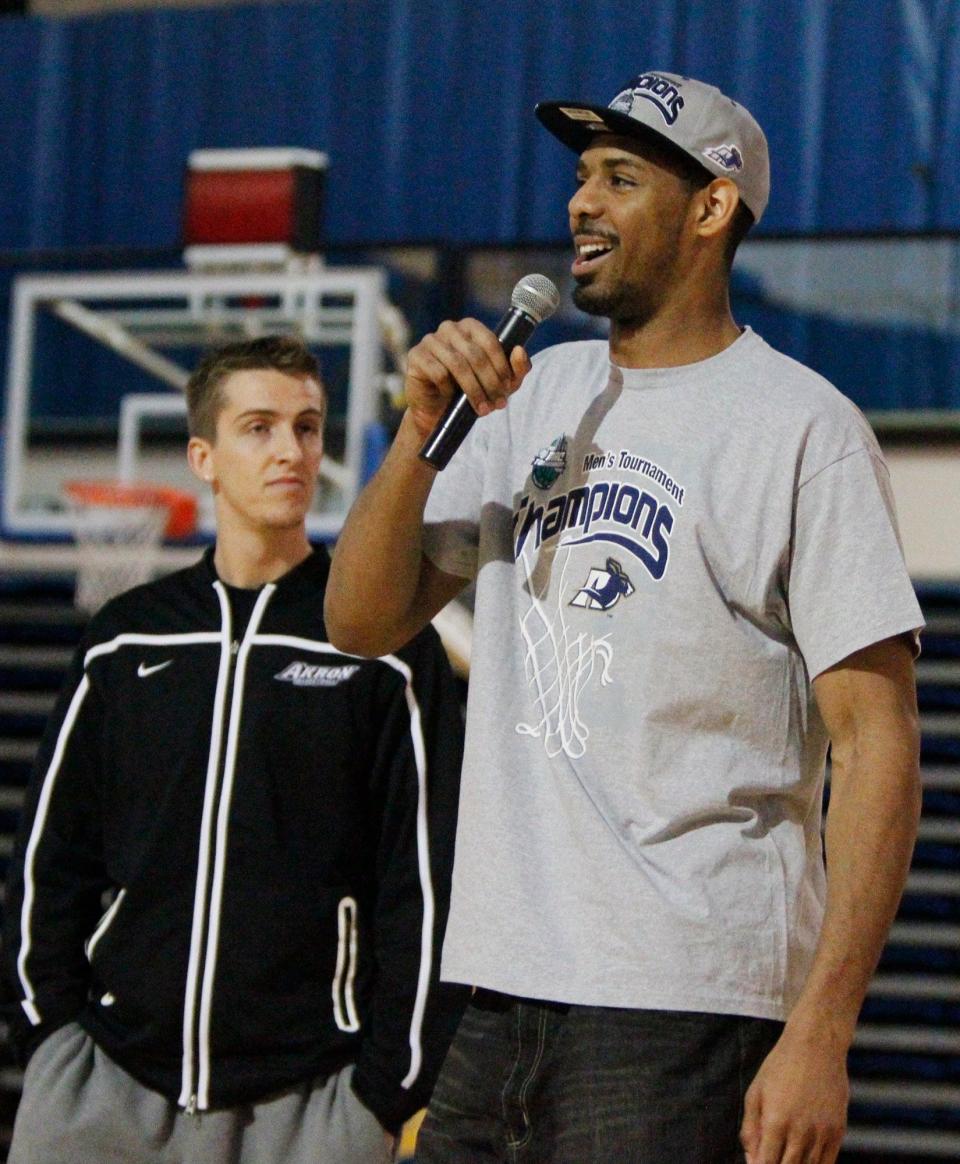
pixel 143 670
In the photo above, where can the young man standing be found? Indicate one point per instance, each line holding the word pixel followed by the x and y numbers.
pixel 689 583
pixel 231 878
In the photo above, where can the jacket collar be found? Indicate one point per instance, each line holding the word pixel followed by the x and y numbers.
pixel 310 576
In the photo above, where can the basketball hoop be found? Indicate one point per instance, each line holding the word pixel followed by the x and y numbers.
pixel 119 530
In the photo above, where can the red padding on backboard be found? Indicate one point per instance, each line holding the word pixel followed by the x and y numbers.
pixel 232 206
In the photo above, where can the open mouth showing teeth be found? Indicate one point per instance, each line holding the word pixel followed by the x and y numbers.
pixel 586 251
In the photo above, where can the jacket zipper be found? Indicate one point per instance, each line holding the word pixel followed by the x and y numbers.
pixel 194 1093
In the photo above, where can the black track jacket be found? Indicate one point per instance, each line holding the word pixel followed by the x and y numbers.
pixel 234 858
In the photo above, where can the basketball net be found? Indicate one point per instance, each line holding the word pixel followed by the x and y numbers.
pixel 119 531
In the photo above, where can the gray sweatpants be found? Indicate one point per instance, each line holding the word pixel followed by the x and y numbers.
pixel 79 1107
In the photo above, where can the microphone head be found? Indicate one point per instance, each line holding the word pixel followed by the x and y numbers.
pixel 536 296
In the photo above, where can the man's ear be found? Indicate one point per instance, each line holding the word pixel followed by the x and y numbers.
pixel 718 204
pixel 200 458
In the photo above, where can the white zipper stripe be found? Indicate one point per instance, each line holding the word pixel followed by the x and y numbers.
pixel 345 974
pixel 220 851
pixel 150 641
pixel 423 835
pixel 426 881
pixel 39 821
pixel 91 944
pixel 310 645
pixel 203 860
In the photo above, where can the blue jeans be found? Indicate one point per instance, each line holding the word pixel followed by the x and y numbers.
pixel 530 1082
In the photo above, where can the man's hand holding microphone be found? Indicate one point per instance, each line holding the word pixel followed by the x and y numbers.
pixel 464 370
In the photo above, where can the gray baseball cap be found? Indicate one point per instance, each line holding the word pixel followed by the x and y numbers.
pixel 691 115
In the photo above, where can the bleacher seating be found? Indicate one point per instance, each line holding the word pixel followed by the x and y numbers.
pixel 905 1064
pixel 39 629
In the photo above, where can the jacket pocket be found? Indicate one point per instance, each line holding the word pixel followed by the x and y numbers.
pixel 104 924
pixel 344 1004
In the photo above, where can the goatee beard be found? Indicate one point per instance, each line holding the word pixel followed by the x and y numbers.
pixel 616 305
pixel 593 303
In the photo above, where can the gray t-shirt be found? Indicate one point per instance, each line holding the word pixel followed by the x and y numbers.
pixel 664 560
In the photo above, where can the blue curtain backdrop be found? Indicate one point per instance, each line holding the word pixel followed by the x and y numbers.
pixel 425 108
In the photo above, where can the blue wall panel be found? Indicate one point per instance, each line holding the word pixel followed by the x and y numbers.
pixel 425 108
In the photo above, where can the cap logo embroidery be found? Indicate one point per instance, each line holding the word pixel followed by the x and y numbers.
pixel 728 157
pixel 659 91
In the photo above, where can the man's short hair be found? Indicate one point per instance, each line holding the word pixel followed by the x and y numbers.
pixel 695 177
pixel 279 353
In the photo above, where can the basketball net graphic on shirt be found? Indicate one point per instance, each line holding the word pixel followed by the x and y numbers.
pixel 559 665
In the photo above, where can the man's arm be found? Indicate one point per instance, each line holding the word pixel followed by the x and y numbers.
pixel 796 1106
pixel 56 877
pixel 382 589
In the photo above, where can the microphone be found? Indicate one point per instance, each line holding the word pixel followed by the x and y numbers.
pixel 534 299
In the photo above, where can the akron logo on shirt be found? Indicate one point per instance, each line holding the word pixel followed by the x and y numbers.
pixel 302 674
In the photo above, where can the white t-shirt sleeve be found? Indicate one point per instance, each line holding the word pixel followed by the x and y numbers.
pixel 848 583
pixel 451 532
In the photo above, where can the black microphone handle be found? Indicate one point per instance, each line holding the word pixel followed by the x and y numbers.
pixel 516 327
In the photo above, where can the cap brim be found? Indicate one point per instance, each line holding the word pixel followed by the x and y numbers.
pixel 578 126
pixel 579 132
